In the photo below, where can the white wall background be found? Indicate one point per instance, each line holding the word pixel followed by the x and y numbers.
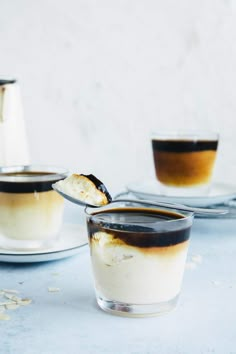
pixel 98 76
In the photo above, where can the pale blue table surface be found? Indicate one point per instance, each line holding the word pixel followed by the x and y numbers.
pixel 69 321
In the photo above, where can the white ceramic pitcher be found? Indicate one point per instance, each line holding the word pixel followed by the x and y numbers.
pixel 13 139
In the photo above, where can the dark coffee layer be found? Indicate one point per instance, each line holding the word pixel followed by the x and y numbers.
pixel 27 187
pixel 124 227
pixel 6 82
pixel 184 145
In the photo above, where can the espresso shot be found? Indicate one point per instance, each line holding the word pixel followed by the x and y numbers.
pixel 138 257
pixel 184 162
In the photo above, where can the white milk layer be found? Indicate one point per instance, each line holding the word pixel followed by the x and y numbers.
pixel 134 275
pixel 30 216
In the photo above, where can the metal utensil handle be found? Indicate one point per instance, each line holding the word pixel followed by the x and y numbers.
pixel 176 206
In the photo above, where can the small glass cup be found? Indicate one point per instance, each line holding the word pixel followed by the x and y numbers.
pixel 138 255
pixel 184 162
pixel 30 210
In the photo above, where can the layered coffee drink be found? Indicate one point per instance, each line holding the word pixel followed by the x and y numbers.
pixel 184 162
pixel 138 257
pixel 30 210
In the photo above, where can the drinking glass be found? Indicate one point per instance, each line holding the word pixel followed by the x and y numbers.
pixel 184 161
pixel 138 255
pixel 30 210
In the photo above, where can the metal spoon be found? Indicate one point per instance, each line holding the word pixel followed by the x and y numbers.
pixel 201 211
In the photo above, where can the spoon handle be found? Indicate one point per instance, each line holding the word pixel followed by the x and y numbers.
pixel 202 211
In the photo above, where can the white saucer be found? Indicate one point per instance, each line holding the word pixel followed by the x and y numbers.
pixel 220 193
pixel 72 238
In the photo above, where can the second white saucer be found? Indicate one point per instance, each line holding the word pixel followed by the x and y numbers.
pixel 149 189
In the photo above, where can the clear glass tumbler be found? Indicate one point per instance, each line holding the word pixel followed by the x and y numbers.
pixel 184 161
pixel 138 255
pixel 30 210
